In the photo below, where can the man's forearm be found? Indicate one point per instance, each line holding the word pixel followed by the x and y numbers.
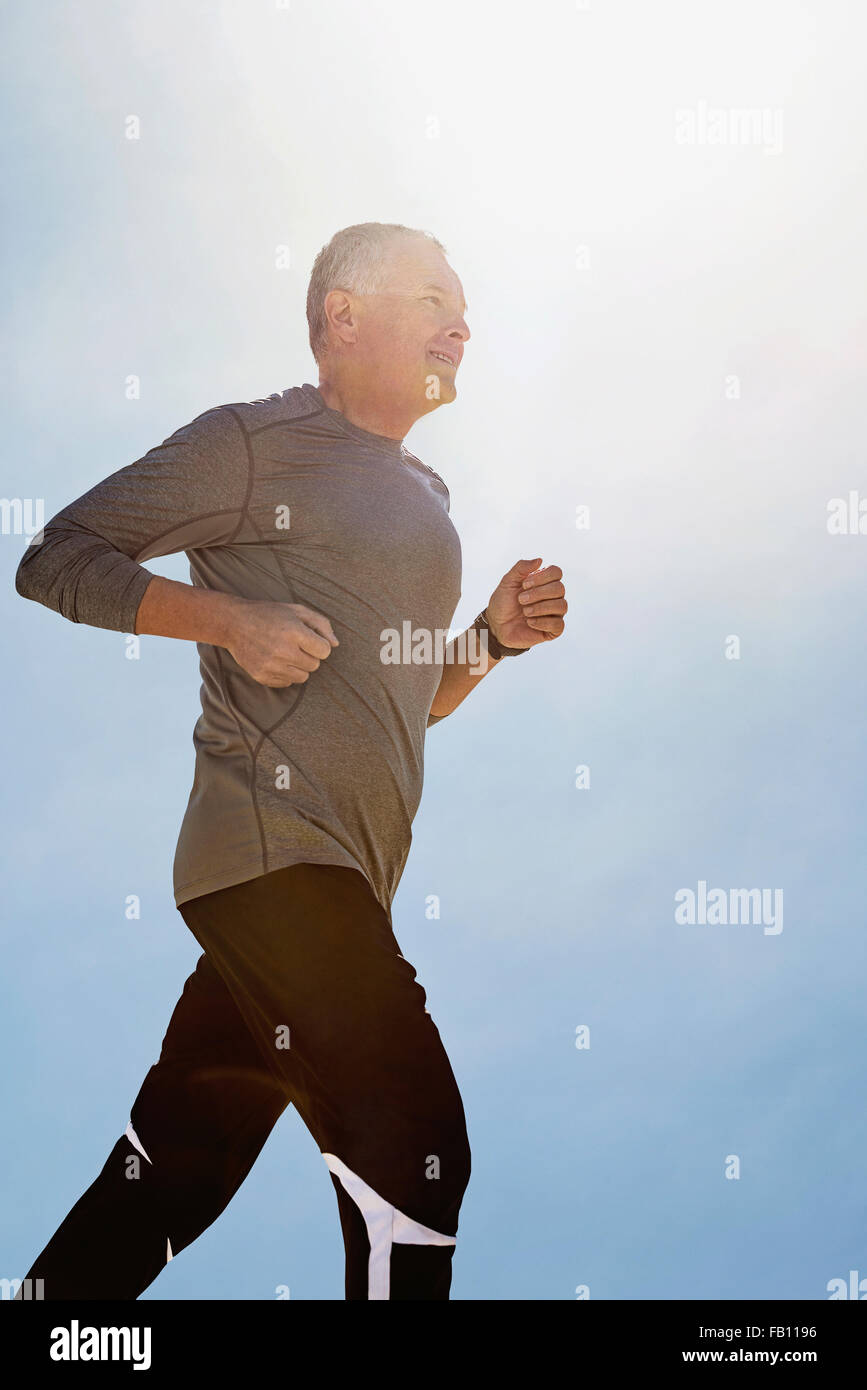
pixel 459 677
pixel 171 609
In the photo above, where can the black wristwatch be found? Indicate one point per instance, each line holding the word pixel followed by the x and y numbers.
pixel 495 648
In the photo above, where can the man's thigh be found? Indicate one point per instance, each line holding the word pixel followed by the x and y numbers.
pixel 315 969
pixel 205 1108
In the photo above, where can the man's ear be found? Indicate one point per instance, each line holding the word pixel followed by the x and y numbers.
pixel 339 314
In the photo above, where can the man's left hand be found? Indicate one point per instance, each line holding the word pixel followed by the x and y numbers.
pixel 528 605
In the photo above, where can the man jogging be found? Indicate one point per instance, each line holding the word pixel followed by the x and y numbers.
pixel 325 572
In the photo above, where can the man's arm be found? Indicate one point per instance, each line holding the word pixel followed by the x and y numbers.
pixel 188 493
pixel 459 677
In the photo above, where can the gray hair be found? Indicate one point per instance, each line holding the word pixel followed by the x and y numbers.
pixel 355 259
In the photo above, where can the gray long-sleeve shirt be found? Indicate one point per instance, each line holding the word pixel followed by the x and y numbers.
pixel 281 499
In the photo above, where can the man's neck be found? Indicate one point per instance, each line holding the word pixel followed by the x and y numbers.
pixel 361 407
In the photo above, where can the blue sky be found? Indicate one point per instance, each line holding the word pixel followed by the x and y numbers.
pixel 670 333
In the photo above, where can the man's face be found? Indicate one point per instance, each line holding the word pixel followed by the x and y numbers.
pixel 407 329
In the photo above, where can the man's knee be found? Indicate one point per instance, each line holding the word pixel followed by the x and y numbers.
pixel 445 1178
pixel 403 1255
pixel 407 1184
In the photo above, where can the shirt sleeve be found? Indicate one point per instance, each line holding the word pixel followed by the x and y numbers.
pixel 189 492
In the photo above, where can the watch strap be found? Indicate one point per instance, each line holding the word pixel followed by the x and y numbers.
pixel 495 648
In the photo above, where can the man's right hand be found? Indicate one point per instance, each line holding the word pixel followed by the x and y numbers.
pixel 279 644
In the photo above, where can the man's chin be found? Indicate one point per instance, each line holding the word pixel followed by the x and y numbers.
pixel 438 390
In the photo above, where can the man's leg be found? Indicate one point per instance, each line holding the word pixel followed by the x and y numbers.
pixel 313 965
pixel 197 1125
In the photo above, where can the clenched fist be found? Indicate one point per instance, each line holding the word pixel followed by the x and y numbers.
pixel 279 644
